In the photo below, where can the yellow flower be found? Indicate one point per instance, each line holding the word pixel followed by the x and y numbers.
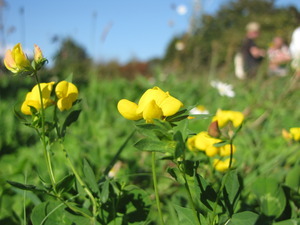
pixel 286 134
pixel 224 116
pixel 154 104
pixel 225 150
pixel 295 132
pixel 203 142
pixel 15 60
pixel 222 166
pixel 191 143
pixel 67 94
pixel 33 98
pixel 128 110
pixel 38 55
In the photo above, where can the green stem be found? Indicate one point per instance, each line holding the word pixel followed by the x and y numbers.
pixel 187 188
pixel 231 154
pixel 43 136
pixel 223 183
pixel 81 182
pixel 156 189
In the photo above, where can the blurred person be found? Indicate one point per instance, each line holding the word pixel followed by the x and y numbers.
pixel 249 58
pixel 279 56
pixel 295 50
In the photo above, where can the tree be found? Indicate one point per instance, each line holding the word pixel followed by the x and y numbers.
pixel 71 59
pixel 217 37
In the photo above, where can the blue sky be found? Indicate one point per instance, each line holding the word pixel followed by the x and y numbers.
pixel 107 29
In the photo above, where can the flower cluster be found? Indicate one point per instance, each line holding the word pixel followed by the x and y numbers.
pixel 204 142
pixel 292 134
pixel 215 143
pixel 154 104
pixel 225 116
pixel 17 62
pixel 66 94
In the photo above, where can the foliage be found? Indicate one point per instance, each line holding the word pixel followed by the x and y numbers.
pixel 212 43
pixel 256 190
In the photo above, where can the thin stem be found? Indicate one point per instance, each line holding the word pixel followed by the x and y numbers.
pixel 223 183
pixel 81 182
pixel 156 189
pixel 231 154
pixel 24 201
pixel 43 136
pixel 187 188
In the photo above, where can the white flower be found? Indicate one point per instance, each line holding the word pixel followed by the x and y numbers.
pixel 223 88
pixel 198 110
pixel 179 46
pixel 113 172
pixel 181 10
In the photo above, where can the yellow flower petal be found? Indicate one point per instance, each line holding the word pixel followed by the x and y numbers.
pixel 295 132
pixel 170 106
pixel 225 150
pixel 33 98
pixel 9 62
pixel 15 60
pixel 155 94
pixel 38 55
pixel 152 111
pixel 211 150
pixel 128 110
pixel 67 93
pixel 222 166
pixel 204 141
pixel 191 143
pixel 225 116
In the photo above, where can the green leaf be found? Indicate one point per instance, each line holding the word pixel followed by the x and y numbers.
pixel 271 196
pixel 27 187
pixel 53 213
pixel 176 114
pixel 69 78
pixel 288 222
pixel 151 145
pixel 179 118
pixel 243 218
pixel 180 146
pixel 71 118
pixel 222 143
pixel 293 178
pixel 204 194
pixel 65 184
pixel 176 174
pixel 231 191
pixel 104 191
pixel 90 177
pixel 185 215
pixel 20 116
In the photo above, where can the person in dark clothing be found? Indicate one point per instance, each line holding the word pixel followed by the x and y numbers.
pixel 252 55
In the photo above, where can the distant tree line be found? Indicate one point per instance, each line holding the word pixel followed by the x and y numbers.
pixel 214 39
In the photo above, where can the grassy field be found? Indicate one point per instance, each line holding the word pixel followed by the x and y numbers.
pixel 269 104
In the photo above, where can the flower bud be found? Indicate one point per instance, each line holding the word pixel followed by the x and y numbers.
pixel 38 55
pixel 16 61
pixel 213 129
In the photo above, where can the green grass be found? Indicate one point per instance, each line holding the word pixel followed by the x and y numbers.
pixel 270 105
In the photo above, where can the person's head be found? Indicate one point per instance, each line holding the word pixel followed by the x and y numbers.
pixel 278 42
pixel 253 30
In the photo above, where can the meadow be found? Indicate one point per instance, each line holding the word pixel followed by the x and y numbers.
pixel 264 181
